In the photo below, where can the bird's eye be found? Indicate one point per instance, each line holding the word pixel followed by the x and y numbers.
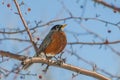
pixel 56 27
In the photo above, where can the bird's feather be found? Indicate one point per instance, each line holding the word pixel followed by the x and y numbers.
pixel 41 49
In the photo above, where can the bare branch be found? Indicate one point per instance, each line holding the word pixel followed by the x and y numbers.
pixel 15 39
pixel 11 55
pixel 25 25
pixel 95 67
pixel 15 72
pixel 107 5
pixel 66 66
pixel 54 63
pixel 95 43
pixel 101 38
pixel 63 19
pixel 69 43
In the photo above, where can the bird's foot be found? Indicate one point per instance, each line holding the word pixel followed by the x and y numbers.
pixel 23 62
pixel 45 70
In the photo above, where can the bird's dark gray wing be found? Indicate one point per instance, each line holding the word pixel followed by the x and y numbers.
pixel 42 47
pixel 45 43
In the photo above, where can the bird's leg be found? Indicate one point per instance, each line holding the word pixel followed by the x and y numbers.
pixel 60 57
pixel 55 58
pixel 44 56
pixel 45 70
pixel 25 59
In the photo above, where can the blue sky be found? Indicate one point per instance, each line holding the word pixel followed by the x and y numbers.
pixel 47 10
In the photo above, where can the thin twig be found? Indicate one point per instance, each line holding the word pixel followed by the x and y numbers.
pixel 101 38
pixel 62 19
pixel 16 72
pixel 107 5
pixel 93 65
pixel 12 55
pixel 14 39
pixel 69 43
pixel 94 43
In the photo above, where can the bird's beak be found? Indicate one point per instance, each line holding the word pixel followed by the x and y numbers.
pixel 63 26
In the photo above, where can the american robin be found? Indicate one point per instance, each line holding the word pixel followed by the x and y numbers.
pixel 53 43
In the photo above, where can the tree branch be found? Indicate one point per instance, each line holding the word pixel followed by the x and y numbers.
pixel 12 55
pixel 25 25
pixel 95 43
pixel 69 43
pixel 108 5
pixel 62 19
pixel 54 63
pixel 66 66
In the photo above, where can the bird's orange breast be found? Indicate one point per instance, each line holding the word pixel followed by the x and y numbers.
pixel 57 44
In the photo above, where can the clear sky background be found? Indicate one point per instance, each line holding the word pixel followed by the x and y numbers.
pixel 47 10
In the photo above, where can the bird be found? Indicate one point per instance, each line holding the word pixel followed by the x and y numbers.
pixel 53 44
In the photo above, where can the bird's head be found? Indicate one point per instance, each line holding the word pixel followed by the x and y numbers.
pixel 59 27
